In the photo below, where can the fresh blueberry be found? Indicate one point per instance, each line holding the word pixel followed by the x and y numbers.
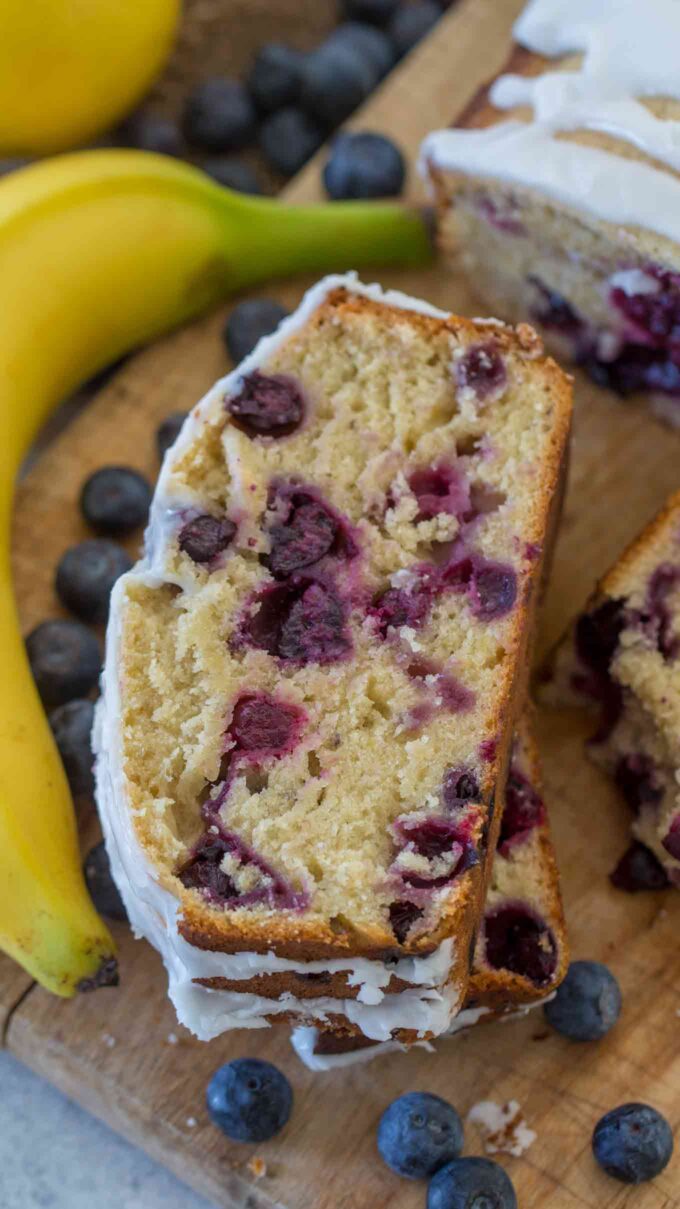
pixel 65 660
pixel 366 42
pixel 335 81
pixel 219 116
pixel 411 23
pixel 418 1133
pixel 288 139
pixel 115 500
pixel 86 574
pixel 248 322
pixel 364 165
pixel 377 12
pixel 275 77
pixel 233 173
pixel 633 1143
pixel 587 1004
pixel 471 1184
pixel 71 725
pixel 249 1100
pixel 168 431
pixel 103 889
pixel 151 132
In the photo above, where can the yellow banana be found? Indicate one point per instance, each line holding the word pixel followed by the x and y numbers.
pixel 101 251
pixel 70 69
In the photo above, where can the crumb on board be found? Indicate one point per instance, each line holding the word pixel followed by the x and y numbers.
pixel 503 1126
pixel 191 1122
pixel 172 1038
pixel 108 1040
pixel 257 1167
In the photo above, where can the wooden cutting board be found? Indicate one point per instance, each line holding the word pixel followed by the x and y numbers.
pixel 121 1053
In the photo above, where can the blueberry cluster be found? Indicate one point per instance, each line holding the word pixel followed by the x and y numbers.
pixel 290 102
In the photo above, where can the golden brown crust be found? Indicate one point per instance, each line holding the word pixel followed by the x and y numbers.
pixel 308 938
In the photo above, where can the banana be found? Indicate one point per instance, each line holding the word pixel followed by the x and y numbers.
pixel 70 69
pixel 101 251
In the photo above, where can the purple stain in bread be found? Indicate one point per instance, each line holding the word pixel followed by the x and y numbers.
pixel 267 405
pixel 500 213
pixel 440 488
pixel 493 590
pixel 671 841
pixel 263 726
pixel 481 369
pixel 203 871
pixel 518 940
pixel 410 607
pixel 524 810
pixel 488 749
pixel 459 788
pixel 655 619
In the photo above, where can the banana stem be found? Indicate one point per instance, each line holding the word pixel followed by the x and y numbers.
pixel 279 240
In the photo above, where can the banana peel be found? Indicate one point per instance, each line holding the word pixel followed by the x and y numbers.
pixel 100 252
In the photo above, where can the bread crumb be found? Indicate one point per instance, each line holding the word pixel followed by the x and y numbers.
pixel 257 1167
pixel 503 1126
pixel 108 1040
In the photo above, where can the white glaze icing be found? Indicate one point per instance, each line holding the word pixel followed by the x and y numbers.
pixel 429 1004
pixel 629 52
pixel 303 1040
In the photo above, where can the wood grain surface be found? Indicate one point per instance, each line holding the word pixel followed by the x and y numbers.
pixel 120 1052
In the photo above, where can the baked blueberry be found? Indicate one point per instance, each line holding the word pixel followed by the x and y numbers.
pixel 587 1004
pixel 366 42
pixel 86 574
pixel 219 115
pixel 364 165
pixel 151 132
pixel 103 889
pixel 471 1183
pixel 411 23
pixel 275 77
pixel 402 916
pixel 205 536
pixel 516 939
pixel 377 12
pixel 248 322
pixel 267 405
pixel 418 1133
pixel 233 173
pixel 71 725
pixel 249 1100
pixel 335 81
pixel 65 660
pixel 633 1143
pixel 288 139
pixel 639 869
pixel 115 500
pixel 168 431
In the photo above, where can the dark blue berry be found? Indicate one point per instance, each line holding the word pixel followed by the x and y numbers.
pixel 115 500
pixel 204 537
pixel 103 889
pixel 86 574
pixel 275 76
pixel 219 115
pixel 248 322
pixel 411 23
pixel 471 1184
pixel 418 1134
pixel 366 42
pixel 377 12
pixel 249 1100
pixel 335 81
pixel 587 1004
pixel 288 139
pixel 364 165
pixel 639 869
pixel 65 660
pixel 151 132
pixel 71 725
pixel 233 173
pixel 168 431
pixel 633 1143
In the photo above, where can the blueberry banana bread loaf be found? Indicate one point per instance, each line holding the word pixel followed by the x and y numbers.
pixel 522 952
pixel 622 658
pixel 311 677
pixel 559 192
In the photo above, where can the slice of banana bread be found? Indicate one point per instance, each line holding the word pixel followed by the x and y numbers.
pixel 622 657
pixel 567 211
pixel 311 677
pixel 522 952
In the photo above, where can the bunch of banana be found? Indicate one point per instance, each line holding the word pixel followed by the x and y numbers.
pixel 99 252
pixel 70 69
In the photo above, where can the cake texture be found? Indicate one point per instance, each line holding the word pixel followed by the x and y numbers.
pixel 522 953
pixel 559 193
pixel 622 658
pixel 311 677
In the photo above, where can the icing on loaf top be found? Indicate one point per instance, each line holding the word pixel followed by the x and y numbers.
pixel 629 52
